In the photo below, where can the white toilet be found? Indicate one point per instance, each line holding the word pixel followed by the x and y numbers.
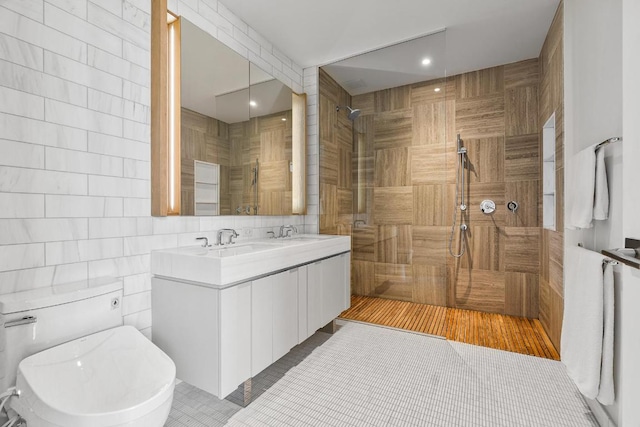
pixel 73 363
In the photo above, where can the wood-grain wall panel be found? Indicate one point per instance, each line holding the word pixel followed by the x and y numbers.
pixel 425 92
pixel 480 83
pixel 521 294
pixel 522 249
pixel 362 277
pixel 393 205
pixel 428 204
pixel 393 281
pixel 485 159
pixel 393 130
pixel 393 244
pixel 479 290
pixel 521 110
pixel 481 117
pixel 432 164
pixel 393 168
pixel 522 157
pixel 363 243
pixel 429 284
pixel 433 122
pixel 429 245
pixel 485 249
pixel 525 193
pixel 397 98
pixel 364 103
pixel 522 73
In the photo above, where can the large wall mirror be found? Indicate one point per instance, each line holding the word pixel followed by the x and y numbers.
pixel 236 132
pixel 227 138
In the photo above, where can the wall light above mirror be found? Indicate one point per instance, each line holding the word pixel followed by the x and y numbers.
pixel 235 151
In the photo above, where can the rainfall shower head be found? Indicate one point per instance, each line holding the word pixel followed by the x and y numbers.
pixel 353 114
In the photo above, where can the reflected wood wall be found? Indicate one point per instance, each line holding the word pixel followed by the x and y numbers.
pixel 268 140
pixel 206 139
pixel 552 242
pixel 403 162
pixel 235 147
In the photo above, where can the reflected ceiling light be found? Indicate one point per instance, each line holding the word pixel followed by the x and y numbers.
pixel 253 103
pixel 437 89
pixel 426 61
pixel 284 119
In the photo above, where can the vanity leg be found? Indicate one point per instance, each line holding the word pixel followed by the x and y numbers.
pixel 247 392
pixel 330 328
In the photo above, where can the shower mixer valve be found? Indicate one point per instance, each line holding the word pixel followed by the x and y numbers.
pixel 487 207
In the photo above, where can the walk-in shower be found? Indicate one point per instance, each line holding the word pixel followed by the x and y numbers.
pixel 353 113
pixel 459 201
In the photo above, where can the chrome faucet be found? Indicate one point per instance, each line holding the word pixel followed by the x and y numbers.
pixel 232 233
pixel 205 243
pixel 286 229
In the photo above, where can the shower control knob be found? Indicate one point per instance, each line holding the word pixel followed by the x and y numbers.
pixel 512 206
pixel 463 207
pixel 487 206
pixel 464 227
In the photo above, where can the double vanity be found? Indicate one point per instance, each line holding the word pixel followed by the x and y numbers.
pixel 225 313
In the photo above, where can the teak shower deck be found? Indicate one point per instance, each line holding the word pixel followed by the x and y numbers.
pixel 502 332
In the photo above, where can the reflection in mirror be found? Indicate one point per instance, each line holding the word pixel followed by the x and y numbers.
pixel 236 132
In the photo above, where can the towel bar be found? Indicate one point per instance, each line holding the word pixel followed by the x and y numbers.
pixel 608 141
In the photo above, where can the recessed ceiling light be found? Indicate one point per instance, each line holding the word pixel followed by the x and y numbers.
pixel 253 103
pixel 437 89
pixel 426 61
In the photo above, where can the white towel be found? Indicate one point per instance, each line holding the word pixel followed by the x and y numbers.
pixel 606 395
pixel 581 182
pixel 587 327
pixel 601 198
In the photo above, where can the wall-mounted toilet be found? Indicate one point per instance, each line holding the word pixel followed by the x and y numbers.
pixel 73 363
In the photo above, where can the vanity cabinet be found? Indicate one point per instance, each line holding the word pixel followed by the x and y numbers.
pixel 219 338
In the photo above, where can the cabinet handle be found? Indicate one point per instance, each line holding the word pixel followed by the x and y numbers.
pixel 24 321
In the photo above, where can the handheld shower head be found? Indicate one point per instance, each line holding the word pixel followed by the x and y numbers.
pixel 353 113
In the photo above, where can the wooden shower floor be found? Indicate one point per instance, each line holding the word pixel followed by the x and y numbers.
pixel 510 333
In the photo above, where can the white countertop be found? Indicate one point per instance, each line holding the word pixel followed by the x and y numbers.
pixel 223 266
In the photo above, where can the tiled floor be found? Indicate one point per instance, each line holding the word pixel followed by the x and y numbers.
pixel 366 375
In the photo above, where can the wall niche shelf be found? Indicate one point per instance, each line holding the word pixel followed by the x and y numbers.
pixel 549 173
pixel 206 188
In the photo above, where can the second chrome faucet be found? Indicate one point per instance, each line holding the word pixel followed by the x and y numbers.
pixel 230 231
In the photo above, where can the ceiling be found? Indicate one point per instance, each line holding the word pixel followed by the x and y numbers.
pixel 480 33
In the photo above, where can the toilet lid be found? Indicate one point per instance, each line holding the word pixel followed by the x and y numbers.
pixel 116 373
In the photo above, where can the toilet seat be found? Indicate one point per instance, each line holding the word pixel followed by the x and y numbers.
pixel 112 378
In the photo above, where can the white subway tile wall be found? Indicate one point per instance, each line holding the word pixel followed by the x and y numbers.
pixel 74 143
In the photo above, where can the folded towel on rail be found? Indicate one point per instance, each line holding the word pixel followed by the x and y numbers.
pixel 586 344
pixel 589 196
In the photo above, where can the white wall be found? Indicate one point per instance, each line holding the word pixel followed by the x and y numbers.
pixel 74 143
pixel 630 290
pixel 602 84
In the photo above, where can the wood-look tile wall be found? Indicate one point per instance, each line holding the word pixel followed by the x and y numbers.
pixel 206 139
pixel 403 168
pixel 551 242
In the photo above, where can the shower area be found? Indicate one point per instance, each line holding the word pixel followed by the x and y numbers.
pixel 434 171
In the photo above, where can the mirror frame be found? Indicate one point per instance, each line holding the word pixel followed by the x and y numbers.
pixel 165 120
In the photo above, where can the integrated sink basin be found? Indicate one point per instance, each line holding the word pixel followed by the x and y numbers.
pixel 223 266
pixel 227 250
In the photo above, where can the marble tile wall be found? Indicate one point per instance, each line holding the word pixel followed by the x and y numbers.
pixel 74 143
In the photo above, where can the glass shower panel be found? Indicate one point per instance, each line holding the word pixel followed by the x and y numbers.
pixel 400 173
